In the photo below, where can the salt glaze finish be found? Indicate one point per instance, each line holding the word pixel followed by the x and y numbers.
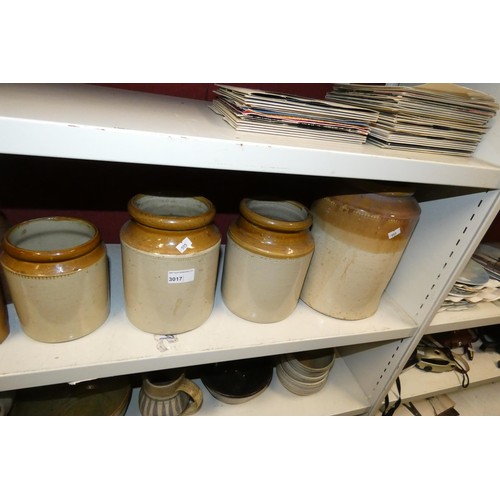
pixel 359 239
pixel 57 273
pixel 305 372
pixel 268 251
pixel 169 394
pixel 170 254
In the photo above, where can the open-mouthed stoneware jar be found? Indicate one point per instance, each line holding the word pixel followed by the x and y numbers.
pixel 170 251
pixel 57 273
pixel 268 251
pixel 359 240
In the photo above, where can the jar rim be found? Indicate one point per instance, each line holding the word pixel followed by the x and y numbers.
pixel 87 240
pixel 165 212
pixel 279 215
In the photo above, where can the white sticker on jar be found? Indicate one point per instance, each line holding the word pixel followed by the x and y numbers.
pixel 184 276
pixel 184 245
pixel 394 233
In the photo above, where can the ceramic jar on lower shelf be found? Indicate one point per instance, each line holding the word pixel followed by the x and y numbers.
pixel 359 240
pixel 170 254
pixel 268 252
pixel 57 273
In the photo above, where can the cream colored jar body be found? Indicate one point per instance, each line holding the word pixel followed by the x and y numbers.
pixel 57 273
pixel 359 242
pixel 170 255
pixel 268 252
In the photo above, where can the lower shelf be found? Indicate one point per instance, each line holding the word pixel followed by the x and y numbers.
pixel 339 397
pixel 119 348
pixel 418 384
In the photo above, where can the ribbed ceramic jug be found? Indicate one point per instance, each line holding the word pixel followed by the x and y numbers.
pixel 268 251
pixel 170 251
pixel 359 240
pixel 57 273
pixel 169 393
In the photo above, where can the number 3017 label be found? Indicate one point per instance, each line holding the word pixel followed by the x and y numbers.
pixel 184 276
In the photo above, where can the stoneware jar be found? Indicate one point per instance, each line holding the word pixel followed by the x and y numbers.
pixel 359 240
pixel 169 393
pixel 57 273
pixel 4 319
pixel 170 251
pixel 268 251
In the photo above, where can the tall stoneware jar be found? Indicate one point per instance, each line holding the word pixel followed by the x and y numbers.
pixel 359 239
pixel 170 251
pixel 57 273
pixel 268 251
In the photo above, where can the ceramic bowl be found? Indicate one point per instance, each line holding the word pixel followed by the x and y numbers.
pixel 310 363
pixel 297 387
pixel 102 397
pixel 298 376
pixel 236 382
pixel 305 372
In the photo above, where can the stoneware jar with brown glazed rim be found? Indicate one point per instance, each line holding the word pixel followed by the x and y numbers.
pixel 170 254
pixel 57 273
pixel 268 251
pixel 169 393
pixel 359 239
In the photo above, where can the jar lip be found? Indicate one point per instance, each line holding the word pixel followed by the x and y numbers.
pixel 16 250
pixel 161 212
pixel 259 211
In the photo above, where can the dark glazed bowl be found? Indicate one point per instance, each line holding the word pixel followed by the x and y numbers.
pixel 236 382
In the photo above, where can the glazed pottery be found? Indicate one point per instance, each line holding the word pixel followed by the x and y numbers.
pixel 359 240
pixel 4 319
pixel 268 251
pixel 57 273
pixel 305 372
pixel 236 382
pixel 169 393
pixel 101 397
pixel 6 400
pixel 4 226
pixel 170 254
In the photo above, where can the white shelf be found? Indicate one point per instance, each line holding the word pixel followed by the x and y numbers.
pixel 98 123
pixel 340 396
pixel 118 347
pixel 417 384
pixel 482 314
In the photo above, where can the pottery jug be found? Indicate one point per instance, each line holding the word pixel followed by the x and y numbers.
pixel 57 273
pixel 359 240
pixel 170 254
pixel 169 393
pixel 268 251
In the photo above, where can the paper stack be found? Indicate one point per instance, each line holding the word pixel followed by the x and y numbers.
pixel 434 118
pixel 291 115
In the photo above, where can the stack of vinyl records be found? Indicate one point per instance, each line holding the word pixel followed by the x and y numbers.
pixel 291 115
pixel 475 284
pixel 435 118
